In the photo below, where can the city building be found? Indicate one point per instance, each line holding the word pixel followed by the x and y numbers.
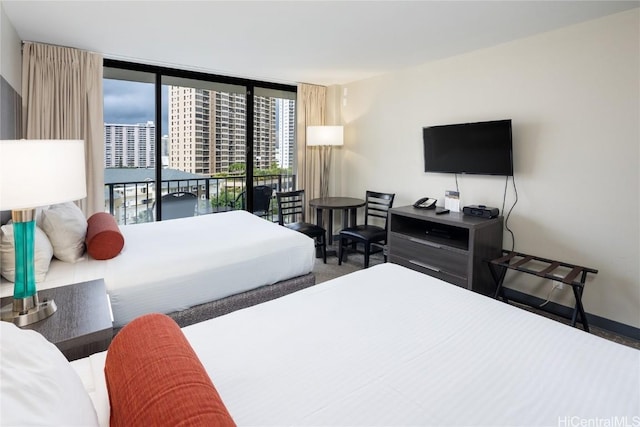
pixel 207 131
pixel 264 132
pixel 285 128
pixel 129 145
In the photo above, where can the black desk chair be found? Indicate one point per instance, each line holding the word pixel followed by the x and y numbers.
pixel 262 195
pixel 376 208
pixel 291 215
pixel 178 205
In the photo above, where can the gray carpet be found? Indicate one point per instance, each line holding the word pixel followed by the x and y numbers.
pixel 331 269
pixel 355 262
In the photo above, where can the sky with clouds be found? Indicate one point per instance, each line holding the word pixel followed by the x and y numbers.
pixel 128 102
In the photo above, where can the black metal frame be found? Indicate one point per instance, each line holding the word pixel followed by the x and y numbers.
pixel 277 182
pixel 504 263
pixel 249 84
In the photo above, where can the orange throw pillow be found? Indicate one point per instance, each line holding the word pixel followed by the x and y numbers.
pixel 154 378
pixel 104 239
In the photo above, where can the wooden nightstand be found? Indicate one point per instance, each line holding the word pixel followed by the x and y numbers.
pixel 82 325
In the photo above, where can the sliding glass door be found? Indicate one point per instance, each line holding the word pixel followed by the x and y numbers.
pixel 206 140
pixel 273 149
pixel 201 160
pixel 129 144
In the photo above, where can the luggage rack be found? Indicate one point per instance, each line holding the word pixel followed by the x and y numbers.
pixel 576 277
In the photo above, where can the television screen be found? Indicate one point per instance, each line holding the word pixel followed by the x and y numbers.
pixel 472 148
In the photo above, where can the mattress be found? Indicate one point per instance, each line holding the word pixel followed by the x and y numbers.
pixel 173 265
pixel 390 346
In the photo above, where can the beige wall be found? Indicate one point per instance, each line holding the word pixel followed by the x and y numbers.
pixel 573 96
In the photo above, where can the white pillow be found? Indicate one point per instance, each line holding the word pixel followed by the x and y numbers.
pixel 39 386
pixel 66 227
pixel 43 252
pixel 39 211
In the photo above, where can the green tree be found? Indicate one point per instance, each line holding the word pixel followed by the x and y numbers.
pixel 225 198
pixel 237 168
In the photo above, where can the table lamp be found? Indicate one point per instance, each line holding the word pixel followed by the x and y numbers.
pixel 324 137
pixel 35 173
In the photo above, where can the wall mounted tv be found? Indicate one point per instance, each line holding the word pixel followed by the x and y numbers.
pixel 482 148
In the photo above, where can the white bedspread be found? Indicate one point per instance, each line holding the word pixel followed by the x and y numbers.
pixel 388 346
pixel 172 265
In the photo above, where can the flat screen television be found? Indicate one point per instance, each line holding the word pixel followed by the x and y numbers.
pixel 482 148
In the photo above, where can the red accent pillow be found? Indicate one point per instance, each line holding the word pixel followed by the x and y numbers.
pixel 104 239
pixel 155 378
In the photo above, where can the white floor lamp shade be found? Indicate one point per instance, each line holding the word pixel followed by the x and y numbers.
pixel 325 137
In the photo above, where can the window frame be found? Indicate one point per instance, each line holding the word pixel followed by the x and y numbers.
pixel 251 87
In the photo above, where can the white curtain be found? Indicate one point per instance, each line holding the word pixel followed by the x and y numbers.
pixel 312 101
pixel 62 99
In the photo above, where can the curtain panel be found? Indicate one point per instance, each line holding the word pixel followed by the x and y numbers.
pixel 62 99
pixel 312 101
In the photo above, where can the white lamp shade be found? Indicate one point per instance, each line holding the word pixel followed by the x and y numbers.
pixel 41 172
pixel 325 135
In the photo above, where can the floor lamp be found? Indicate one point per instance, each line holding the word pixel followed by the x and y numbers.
pixel 35 173
pixel 324 137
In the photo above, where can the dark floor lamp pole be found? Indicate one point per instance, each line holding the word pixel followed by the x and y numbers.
pixel 325 165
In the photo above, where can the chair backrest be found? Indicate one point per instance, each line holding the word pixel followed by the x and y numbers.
pixel 377 206
pixel 178 205
pixel 262 195
pixel 290 206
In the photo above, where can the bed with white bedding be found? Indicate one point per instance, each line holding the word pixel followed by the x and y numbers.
pixel 178 265
pixel 388 346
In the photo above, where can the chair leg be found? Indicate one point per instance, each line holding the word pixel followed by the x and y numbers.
pixel 340 251
pixel 367 250
pixel 324 250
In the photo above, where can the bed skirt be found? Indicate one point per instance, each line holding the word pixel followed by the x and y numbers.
pixel 211 309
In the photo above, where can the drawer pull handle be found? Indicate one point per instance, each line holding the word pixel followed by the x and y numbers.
pixel 424 242
pixel 423 265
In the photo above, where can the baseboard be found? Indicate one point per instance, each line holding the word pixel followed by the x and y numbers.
pixel 564 311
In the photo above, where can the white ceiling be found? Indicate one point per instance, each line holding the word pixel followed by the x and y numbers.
pixel 321 42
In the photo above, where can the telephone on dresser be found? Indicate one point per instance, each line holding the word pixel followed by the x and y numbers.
pixel 425 203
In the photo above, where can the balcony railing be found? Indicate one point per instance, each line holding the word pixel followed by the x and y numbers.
pixel 134 202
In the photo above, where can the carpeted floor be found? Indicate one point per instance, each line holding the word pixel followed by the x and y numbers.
pixel 355 262
pixel 331 269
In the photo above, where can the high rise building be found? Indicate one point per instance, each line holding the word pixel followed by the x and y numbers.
pixel 130 145
pixel 208 133
pixel 227 115
pixel 205 134
pixel 264 132
pixel 285 128
pixel 189 129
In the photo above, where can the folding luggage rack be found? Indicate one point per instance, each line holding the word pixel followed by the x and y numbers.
pixel 576 277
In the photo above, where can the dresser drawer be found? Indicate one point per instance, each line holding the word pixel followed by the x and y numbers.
pixel 428 270
pixel 430 256
pixel 452 247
